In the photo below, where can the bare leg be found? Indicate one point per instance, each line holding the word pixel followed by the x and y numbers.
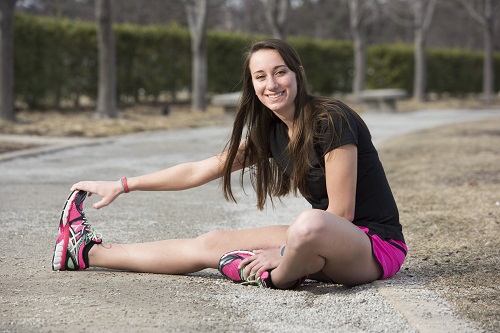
pixel 319 241
pixel 180 256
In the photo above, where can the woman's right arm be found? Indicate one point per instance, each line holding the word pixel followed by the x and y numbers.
pixel 179 177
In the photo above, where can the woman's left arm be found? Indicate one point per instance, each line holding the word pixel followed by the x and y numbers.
pixel 341 169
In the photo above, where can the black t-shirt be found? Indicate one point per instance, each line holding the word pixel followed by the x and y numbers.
pixel 375 207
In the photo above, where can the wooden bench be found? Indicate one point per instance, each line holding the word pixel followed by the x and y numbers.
pixel 227 101
pixel 381 100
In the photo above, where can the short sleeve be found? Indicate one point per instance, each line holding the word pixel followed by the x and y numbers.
pixel 343 131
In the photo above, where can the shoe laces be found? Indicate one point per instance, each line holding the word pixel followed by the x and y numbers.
pixel 251 280
pixel 92 234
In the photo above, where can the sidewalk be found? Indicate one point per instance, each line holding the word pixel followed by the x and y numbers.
pixel 34 185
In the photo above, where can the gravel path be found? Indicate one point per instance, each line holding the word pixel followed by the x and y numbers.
pixel 34 186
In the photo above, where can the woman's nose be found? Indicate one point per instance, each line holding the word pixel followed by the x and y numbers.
pixel 271 83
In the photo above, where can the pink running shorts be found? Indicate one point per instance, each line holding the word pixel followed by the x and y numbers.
pixel 390 254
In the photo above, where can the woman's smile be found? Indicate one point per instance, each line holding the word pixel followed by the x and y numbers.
pixel 275 95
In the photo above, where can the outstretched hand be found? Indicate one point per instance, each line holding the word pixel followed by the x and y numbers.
pixel 107 190
pixel 262 261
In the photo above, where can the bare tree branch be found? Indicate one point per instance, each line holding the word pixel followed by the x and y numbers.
pixel 276 13
pixel 429 13
pixel 395 15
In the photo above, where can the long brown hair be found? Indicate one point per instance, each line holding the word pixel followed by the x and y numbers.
pixel 258 120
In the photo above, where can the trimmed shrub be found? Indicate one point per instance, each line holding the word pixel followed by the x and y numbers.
pixel 56 60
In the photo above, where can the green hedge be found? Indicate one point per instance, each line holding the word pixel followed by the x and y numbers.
pixel 328 64
pixel 390 66
pixel 453 71
pixel 151 60
pixel 56 60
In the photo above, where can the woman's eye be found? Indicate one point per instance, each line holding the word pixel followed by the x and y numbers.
pixel 280 73
pixel 259 77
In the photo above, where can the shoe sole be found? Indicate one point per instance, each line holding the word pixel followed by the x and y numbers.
pixel 61 248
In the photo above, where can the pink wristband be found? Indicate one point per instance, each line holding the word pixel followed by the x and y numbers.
pixel 124 185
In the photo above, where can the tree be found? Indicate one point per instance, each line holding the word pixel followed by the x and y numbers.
pixel 421 13
pixel 276 15
pixel 484 12
pixel 7 8
pixel 197 20
pixel 106 96
pixel 362 14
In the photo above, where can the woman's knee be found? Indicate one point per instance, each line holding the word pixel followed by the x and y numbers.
pixel 210 240
pixel 307 228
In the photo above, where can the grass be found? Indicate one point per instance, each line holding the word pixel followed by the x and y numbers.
pixel 447 184
pixel 82 123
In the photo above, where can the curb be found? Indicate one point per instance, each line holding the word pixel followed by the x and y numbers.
pixel 44 145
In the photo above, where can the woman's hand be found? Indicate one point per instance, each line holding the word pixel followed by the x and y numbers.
pixel 108 191
pixel 262 261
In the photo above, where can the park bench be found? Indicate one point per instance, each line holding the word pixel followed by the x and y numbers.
pixel 381 100
pixel 228 101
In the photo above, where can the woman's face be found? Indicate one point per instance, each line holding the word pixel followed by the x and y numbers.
pixel 274 83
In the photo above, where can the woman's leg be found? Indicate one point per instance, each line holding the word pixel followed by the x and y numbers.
pixel 180 256
pixel 321 242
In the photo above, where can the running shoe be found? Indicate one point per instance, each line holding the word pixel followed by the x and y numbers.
pixel 76 236
pixel 228 265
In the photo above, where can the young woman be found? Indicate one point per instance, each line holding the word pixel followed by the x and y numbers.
pixel 293 142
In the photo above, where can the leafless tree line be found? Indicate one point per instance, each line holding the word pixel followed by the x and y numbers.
pixel 452 25
pixel 365 21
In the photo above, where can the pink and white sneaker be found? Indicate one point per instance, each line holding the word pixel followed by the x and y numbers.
pixel 76 236
pixel 228 265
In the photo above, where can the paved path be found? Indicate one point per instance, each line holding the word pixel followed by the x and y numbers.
pixel 33 186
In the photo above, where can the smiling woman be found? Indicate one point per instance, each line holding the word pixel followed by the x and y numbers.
pixel 275 84
pixel 291 142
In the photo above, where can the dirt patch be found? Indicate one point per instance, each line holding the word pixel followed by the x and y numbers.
pixel 447 185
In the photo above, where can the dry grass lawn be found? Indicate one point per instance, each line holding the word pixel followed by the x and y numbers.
pixel 446 182
pixel 83 124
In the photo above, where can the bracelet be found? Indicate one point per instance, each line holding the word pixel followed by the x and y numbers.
pixel 124 185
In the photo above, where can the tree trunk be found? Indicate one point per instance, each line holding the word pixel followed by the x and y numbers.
pixel 7 8
pixel 419 83
pixel 199 68
pixel 359 65
pixel 359 45
pixel 422 17
pixel 484 13
pixel 488 65
pixel 106 96
pixel 197 19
